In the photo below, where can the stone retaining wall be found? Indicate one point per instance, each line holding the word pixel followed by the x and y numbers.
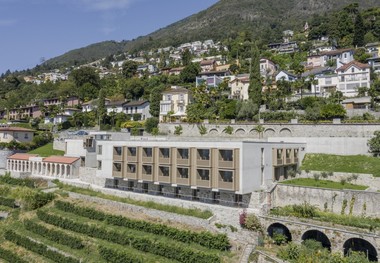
pixel 360 202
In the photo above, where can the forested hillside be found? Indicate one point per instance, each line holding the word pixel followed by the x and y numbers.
pixel 265 19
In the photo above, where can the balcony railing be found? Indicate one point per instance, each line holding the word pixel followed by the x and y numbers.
pixel 226 164
pixel 279 162
pixel 204 162
pixel 117 174
pixel 131 175
pixel 164 179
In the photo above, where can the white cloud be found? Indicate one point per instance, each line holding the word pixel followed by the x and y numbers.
pixel 105 5
pixel 7 22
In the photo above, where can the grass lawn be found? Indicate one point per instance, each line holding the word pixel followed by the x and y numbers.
pixel 47 150
pixel 341 163
pixel 324 184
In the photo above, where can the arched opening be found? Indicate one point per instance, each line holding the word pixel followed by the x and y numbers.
pixel 278 228
pixel 213 132
pixel 317 236
pixel 360 245
pixel 240 131
pixel 285 132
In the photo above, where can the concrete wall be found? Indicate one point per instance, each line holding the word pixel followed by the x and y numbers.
pixel 342 139
pixel 330 145
pixel 4 154
pixel 278 130
pixel 362 202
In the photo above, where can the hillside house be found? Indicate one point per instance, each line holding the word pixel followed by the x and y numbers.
pixel 137 107
pixel 239 88
pixel 174 103
pixel 18 134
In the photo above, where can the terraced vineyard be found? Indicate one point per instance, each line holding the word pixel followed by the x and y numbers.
pixel 71 231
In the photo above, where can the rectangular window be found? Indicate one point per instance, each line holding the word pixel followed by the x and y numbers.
pixel 132 151
pixel 117 150
pixel 100 149
pixel 279 153
pixel 204 154
pixel 117 167
pixel 147 169
pixel 131 168
pixel 183 154
pixel 203 174
pixel 295 153
pixel 288 151
pixel 148 152
pixel 183 173
pixel 164 171
pixel 226 155
pixel 226 176
pixel 15 135
pixel 99 165
pixel 328 81
pixel 342 78
pixel 164 152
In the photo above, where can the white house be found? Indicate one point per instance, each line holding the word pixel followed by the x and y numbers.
pixel 267 67
pixel 347 79
pixel 239 88
pixel 284 75
pixel 140 107
pixel 353 76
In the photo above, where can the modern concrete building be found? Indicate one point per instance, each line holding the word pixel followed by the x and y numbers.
pixel 222 171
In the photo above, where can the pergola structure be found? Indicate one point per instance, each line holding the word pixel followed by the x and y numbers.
pixel 53 166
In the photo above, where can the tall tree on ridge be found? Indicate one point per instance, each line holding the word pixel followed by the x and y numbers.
pixel 255 86
pixel 359 31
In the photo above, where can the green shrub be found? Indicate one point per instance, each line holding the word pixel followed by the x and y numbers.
pixel 56 236
pixel 115 256
pixel 7 179
pixel 10 256
pixel 204 238
pixel 252 223
pixel 38 248
pixel 305 210
pixel 7 202
pixel 279 239
pixel 178 130
pixel 177 252
pixel 150 124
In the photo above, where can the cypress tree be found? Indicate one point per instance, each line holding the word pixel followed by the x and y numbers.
pixel 359 31
pixel 255 86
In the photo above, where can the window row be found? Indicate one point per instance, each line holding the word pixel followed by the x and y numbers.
pixel 182 153
pixel 182 172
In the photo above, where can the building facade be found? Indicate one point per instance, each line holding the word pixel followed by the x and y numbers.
pixel 224 172
pixel 174 103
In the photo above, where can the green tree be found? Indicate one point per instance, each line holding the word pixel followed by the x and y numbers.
pixel 101 106
pixel 331 110
pixel 150 124
pixel 374 144
pixel 85 75
pixel 129 68
pixel 247 110
pixel 186 57
pixel 190 72
pixel 255 86
pixel 195 112
pixel 155 98
pixel 359 31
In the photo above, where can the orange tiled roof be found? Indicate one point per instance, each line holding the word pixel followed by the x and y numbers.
pixel 22 156
pixel 60 159
pixel 16 129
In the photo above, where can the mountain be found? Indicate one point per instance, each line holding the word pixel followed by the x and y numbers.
pixel 263 18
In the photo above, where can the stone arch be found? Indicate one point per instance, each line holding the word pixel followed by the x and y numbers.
pixel 278 228
pixel 360 245
pixel 240 131
pixel 213 131
pixel 285 132
pixel 317 236
pixel 269 132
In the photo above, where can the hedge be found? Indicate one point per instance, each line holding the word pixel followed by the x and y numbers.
pixel 177 252
pixel 206 239
pixel 54 235
pixel 115 256
pixel 38 248
pixel 7 179
pixel 7 202
pixel 10 256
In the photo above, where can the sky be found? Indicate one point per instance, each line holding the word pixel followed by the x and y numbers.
pixel 32 30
